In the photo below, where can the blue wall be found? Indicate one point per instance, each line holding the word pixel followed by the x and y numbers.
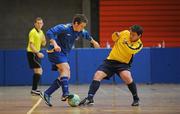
pixel 16 71
pixel 165 65
pixel 87 62
pixel 151 65
pixel 2 75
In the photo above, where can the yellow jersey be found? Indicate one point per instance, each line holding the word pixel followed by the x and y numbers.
pixel 36 37
pixel 123 52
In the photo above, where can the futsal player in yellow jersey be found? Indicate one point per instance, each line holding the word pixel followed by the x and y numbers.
pixel 126 44
pixel 36 40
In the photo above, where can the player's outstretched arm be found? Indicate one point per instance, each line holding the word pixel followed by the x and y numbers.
pixel 95 43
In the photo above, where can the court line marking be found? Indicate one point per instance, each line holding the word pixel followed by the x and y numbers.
pixel 34 106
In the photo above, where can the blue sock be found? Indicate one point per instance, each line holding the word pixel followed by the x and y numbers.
pixel 55 85
pixel 93 88
pixel 65 86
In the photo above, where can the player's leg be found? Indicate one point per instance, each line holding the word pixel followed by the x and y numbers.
pixel 64 70
pixel 36 77
pixel 54 86
pixel 127 78
pixel 58 60
pixel 35 64
pixel 46 96
pixel 94 86
pixel 99 75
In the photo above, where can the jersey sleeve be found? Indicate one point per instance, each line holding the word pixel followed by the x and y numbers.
pixel 85 34
pixel 52 33
pixel 134 48
pixel 115 36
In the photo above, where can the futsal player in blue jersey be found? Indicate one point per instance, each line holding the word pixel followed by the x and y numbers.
pixel 62 38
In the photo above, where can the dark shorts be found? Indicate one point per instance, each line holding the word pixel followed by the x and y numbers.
pixel 57 58
pixel 33 60
pixel 111 67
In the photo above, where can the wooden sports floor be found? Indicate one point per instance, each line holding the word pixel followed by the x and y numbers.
pixel 110 99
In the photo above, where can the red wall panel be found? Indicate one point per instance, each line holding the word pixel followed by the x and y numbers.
pixel 159 18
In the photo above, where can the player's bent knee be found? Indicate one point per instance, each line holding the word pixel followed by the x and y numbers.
pixel 41 71
pixel 38 71
pixel 99 75
pixel 128 80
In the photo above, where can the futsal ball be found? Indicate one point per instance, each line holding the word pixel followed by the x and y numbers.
pixel 74 101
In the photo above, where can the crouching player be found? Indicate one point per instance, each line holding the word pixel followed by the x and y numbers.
pixel 126 44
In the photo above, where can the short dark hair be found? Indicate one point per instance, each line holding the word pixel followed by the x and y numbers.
pixel 137 28
pixel 37 19
pixel 80 18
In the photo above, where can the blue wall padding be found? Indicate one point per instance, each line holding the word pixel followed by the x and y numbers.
pixel 17 71
pixel 73 67
pixel 151 65
pixel 87 62
pixel 165 65
pixel 141 66
pixel 2 75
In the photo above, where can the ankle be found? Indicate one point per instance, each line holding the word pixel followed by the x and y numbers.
pixel 136 98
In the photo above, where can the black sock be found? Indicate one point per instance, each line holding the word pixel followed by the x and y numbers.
pixel 133 89
pixel 93 88
pixel 36 78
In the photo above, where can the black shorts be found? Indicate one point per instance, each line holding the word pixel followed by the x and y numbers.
pixel 111 67
pixel 33 60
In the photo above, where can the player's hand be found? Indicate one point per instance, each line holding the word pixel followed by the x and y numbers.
pixel 96 45
pixel 57 48
pixel 40 55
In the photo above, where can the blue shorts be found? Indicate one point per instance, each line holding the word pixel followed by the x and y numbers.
pixel 111 67
pixel 57 58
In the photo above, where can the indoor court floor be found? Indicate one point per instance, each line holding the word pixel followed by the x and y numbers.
pixel 110 99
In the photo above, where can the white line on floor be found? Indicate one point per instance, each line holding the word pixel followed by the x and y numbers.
pixel 35 105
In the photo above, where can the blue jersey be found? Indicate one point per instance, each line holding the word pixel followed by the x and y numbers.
pixel 65 36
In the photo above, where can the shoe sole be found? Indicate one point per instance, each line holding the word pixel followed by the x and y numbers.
pixel 42 96
pixel 135 105
pixel 90 104
pixel 64 98
pixel 67 97
pixel 35 94
pixel 82 103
